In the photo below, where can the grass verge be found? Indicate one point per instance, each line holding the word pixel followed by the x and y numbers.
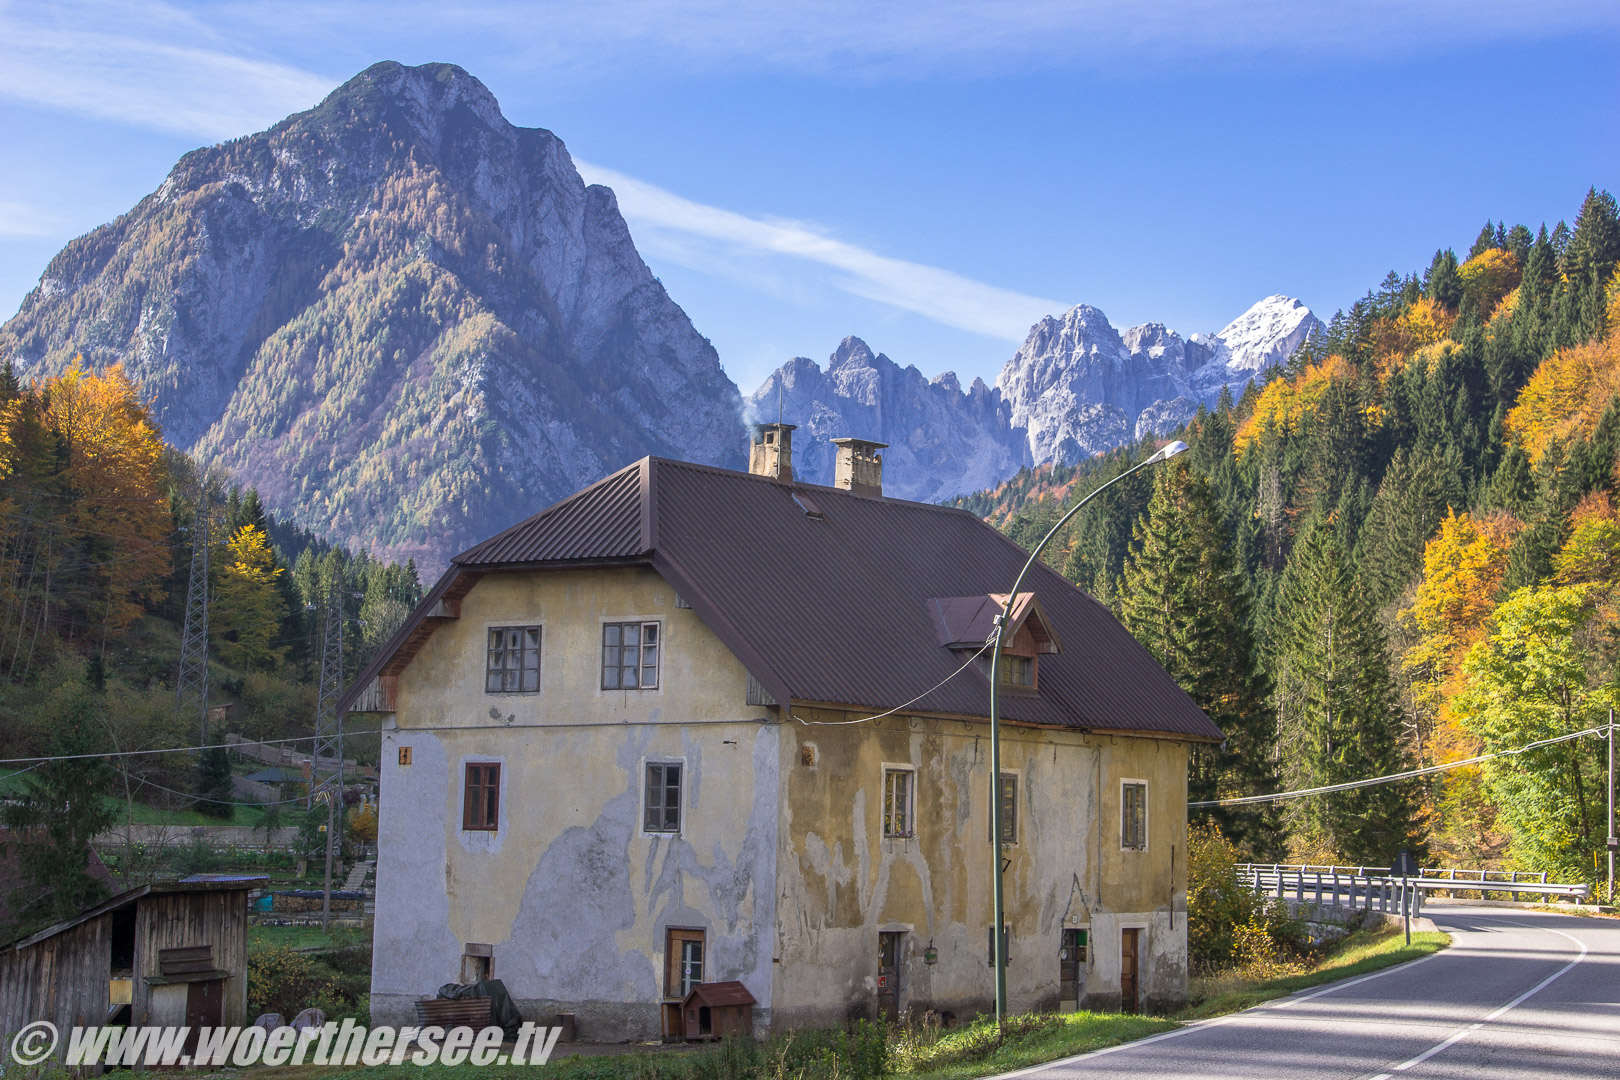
pixel 1362 952
pixel 962 1054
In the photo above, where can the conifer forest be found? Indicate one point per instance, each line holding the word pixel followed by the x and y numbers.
pixel 1401 550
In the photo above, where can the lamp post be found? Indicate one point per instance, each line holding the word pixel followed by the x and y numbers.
pixel 998 930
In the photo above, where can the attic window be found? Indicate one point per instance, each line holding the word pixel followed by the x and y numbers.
pixel 1018 671
pixel 810 508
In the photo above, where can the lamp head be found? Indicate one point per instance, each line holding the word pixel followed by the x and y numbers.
pixel 1167 451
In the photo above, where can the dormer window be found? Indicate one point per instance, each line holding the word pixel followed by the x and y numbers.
pixel 965 623
pixel 1018 671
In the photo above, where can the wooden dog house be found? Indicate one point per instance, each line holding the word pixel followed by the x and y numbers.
pixel 715 1010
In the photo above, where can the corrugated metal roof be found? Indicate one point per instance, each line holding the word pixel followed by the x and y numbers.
pixel 604 520
pixel 833 604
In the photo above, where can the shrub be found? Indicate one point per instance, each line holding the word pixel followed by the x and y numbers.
pixel 283 980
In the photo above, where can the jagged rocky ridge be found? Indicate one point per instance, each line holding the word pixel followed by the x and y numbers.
pixel 1076 387
pixel 406 321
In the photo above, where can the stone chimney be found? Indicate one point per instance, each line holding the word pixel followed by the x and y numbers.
pixel 770 452
pixel 859 469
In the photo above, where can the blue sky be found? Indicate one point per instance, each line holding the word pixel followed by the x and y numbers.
pixel 931 178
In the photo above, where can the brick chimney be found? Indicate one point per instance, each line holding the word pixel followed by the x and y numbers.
pixel 859 469
pixel 770 452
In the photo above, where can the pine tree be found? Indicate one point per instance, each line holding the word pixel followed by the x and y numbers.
pixel 1442 282
pixel 1183 600
pixel 1417 489
pixel 61 808
pixel 1338 719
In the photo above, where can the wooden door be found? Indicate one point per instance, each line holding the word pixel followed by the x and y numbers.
pixel 205 1007
pixel 888 981
pixel 683 969
pixel 1130 962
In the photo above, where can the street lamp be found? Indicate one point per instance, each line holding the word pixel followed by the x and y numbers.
pixel 998 930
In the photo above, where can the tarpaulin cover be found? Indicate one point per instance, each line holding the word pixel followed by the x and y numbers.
pixel 502 1012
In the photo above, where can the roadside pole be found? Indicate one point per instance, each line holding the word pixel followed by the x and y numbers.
pixel 1612 842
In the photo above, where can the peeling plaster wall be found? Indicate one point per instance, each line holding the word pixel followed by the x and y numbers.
pixel 842 882
pixel 573 896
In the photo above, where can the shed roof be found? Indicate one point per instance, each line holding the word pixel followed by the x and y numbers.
pixel 198 884
pixel 719 994
pixel 828 597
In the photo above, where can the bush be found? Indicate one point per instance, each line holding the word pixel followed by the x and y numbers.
pixel 285 981
pixel 1225 918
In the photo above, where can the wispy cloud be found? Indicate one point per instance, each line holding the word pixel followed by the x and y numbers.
pixel 929 291
pixel 146 64
pixel 20 219
pixel 220 68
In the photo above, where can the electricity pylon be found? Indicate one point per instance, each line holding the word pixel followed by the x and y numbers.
pixel 329 732
pixel 191 685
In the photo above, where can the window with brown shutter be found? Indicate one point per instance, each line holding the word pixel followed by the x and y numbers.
pixel 481 808
pixel 1133 816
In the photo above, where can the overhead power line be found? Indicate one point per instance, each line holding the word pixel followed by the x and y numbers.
pixel 162 750
pixel 1251 800
pixel 906 705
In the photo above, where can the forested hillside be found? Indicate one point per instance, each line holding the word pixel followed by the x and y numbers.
pixel 97 520
pixel 1403 549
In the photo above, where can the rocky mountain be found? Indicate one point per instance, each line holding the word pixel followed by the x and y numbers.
pixel 942 439
pixel 1076 387
pixel 407 322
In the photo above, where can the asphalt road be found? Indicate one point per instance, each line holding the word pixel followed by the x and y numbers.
pixel 1518 994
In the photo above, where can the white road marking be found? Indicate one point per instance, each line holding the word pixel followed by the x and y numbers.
pixel 1458 1036
pixel 1203 1025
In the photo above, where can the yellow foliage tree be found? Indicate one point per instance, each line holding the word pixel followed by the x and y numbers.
pixel 1566 396
pixel 1488 277
pixel 120 506
pixel 1591 555
pixel 1285 402
pixel 247 610
pixel 1463 569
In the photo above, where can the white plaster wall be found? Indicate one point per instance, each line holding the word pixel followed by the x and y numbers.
pixel 573 896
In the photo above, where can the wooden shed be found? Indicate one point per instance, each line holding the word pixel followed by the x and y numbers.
pixel 715 1010
pixel 167 953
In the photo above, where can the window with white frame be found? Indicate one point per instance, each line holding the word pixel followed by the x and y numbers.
pixel 898 795
pixel 630 655
pixel 513 665
pixel 1133 815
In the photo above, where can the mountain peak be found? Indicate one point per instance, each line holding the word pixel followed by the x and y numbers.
pixel 424 93
pixel 851 352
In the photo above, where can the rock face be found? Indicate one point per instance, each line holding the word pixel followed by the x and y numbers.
pixel 406 321
pixel 1078 386
pixel 941 439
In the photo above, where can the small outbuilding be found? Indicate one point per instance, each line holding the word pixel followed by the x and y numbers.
pixel 715 1010
pixel 165 953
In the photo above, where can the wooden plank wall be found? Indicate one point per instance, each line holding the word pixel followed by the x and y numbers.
pixel 178 920
pixel 62 979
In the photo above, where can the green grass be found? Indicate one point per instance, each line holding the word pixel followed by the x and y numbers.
pixel 1362 952
pixel 13 781
pixel 301 937
pixel 1032 1039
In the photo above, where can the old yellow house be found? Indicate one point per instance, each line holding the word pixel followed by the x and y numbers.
pixel 632 744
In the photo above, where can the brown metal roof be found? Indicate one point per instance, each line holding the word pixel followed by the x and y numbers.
pixel 828 597
pixel 720 994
